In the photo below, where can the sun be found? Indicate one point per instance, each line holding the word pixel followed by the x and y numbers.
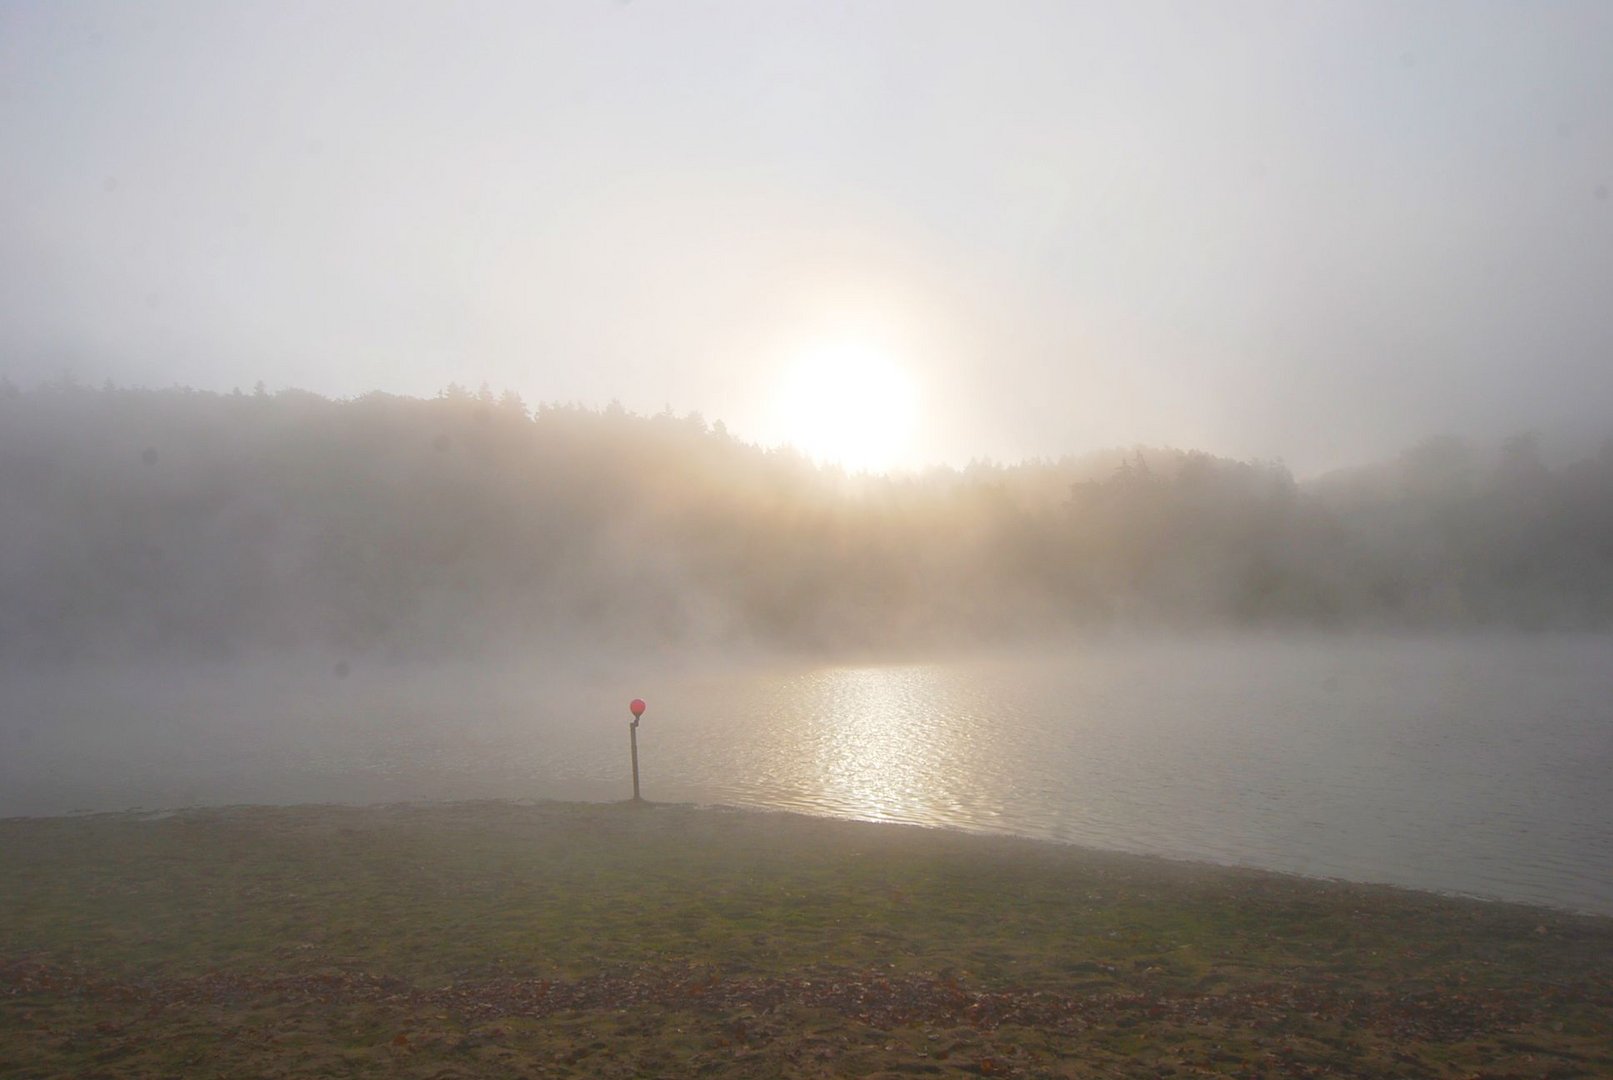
pixel 850 405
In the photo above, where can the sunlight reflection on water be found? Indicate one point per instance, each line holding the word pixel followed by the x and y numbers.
pixel 871 755
pixel 1470 768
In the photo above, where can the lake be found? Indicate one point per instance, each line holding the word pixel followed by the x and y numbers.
pixel 1469 765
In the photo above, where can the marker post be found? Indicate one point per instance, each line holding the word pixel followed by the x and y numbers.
pixel 637 708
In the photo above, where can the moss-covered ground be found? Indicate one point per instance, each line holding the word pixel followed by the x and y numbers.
pixel 517 940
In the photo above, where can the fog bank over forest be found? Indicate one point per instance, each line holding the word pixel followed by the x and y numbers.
pixel 175 524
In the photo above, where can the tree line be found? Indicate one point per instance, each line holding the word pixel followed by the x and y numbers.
pixel 147 523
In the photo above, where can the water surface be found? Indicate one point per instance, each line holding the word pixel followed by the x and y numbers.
pixel 1478 766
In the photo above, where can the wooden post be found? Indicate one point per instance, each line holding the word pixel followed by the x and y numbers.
pixel 632 734
pixel 637 709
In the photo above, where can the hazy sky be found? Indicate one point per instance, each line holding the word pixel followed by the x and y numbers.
pixel 1313 232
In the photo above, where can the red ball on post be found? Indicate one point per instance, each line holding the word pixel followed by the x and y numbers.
pixel 638 707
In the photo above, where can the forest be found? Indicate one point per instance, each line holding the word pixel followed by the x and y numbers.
pixel 141 524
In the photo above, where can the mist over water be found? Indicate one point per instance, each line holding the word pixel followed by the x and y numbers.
pixel 1472 764
pixel 173 526
pixel 1396 673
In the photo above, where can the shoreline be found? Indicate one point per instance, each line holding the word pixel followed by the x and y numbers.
pixel 1205 863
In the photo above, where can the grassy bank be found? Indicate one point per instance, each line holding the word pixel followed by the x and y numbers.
pixel 616 940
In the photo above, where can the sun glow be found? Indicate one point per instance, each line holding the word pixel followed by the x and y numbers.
pixel 849 405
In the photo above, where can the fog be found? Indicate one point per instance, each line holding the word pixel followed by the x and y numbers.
pixel 1394 672
pixel 1141 428
pixel 150 525
pixel 1318 234
pixel 384 391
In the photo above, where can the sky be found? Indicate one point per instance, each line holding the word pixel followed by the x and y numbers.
pixel 1315 233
